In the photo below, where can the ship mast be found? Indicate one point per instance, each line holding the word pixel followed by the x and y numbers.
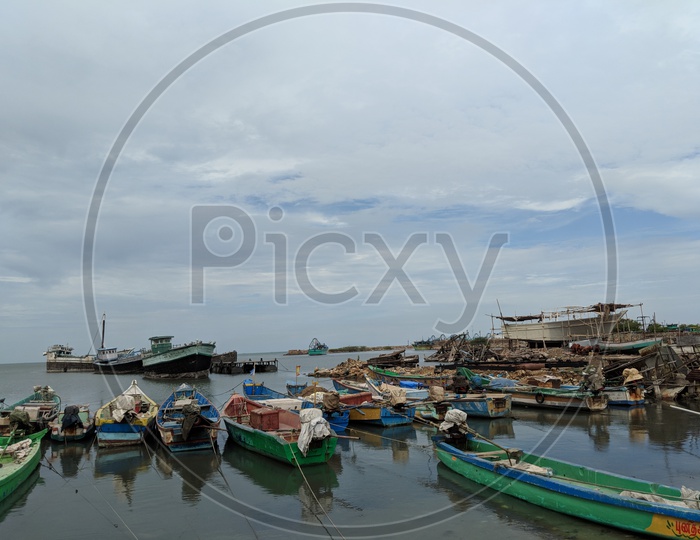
pixel 103 332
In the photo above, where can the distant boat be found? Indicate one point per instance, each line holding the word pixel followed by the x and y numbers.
pixel 316 348
pixel 123 420
pixel 31 414
pixel 73 424
pixel 18 460
pixel 296 439
pixel 187 420
pixel 110 360
pixel 425 344
pixel 189 361
pixel 60 359
pixel 599 496
pixel 564 325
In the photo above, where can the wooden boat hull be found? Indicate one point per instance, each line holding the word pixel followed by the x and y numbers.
pixel 120 434
pixel 276 447
pixel 392 377
pixel 73 433
pixel 621 396
pixel 380 415
pixel 338 419
pixel 191 361
pixel 483 406
pixel 13 474
pixel 574 490
pixel 547 398
pixel 173 420
pixel 129 430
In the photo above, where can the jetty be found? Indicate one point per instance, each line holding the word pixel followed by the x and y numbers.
pixel 228 364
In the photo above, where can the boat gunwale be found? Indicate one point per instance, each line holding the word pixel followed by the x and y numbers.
pixel 571 487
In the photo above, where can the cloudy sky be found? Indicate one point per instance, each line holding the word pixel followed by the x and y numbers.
pixel 374 158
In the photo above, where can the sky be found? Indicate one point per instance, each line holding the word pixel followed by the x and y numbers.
pixel 341 174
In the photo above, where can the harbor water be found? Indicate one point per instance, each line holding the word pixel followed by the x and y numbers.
pixel 386 483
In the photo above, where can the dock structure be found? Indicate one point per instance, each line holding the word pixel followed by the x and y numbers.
pixel 228 364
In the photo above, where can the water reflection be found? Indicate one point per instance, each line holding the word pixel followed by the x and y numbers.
pixel 467 495
pixel 394 438
pixel 122 465
pixel 497 427
pixel 195 468
pixel 596 425
pixel 313 486
pixel 17 500
pixel 67 458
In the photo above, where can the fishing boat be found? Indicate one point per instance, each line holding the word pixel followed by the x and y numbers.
pixel 189 361
pixel 481 404
pixel 32 413
pixel 333 411
pixel 345 386
pixel 73 424
pixel 296 439
pixel 110 360
pixel 563 325
pixel 187 420
pixel 528 395
pixel 602 497
pixel 425 344
pixel 395 358
pixel 60 359
pixel 489 405
pixel 294 388
pixel 557 398
pixel 423 381
pixel 366 410
pixel 18 460
pixel 123 420
pixel 316 348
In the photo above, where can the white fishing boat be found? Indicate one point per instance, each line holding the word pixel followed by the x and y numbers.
pixel 564 325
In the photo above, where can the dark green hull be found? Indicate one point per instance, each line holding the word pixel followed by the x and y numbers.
pixel 271 445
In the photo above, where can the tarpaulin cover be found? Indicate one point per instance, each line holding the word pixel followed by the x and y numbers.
pixel 455 419
pixel 313 427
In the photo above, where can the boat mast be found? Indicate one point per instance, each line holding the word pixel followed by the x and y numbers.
pixel 102 346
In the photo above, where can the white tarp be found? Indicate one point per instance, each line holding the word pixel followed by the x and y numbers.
pixel 122 405
pixel 455 418
pixel 313 426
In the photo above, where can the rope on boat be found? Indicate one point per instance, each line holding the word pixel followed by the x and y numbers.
pixel 319 504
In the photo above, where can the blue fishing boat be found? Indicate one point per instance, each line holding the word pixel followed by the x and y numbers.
pixel 187 420
pixel 333 411
pixel 123 420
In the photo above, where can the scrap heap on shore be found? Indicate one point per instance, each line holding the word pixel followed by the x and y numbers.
pixel 667 370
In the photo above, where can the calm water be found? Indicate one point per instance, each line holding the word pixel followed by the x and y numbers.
pixel 387 483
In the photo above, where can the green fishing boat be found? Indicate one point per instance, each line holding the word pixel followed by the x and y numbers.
pixel 18 460
pixel 598 496
pixel 296 439
pixel 316 348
